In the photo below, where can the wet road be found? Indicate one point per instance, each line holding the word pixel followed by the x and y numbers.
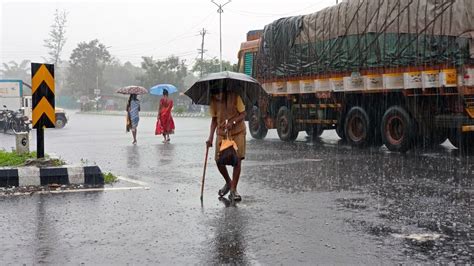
pixel 318 202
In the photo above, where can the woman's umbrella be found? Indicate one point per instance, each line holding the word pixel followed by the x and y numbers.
pixel 132 90
pixel 158 89
pixel 247 87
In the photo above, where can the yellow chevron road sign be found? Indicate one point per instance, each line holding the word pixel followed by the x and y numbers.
pixel 42 89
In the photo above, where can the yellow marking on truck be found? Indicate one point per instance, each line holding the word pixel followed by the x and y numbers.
pixel 467 128
pixel 470 112
pixel 451 76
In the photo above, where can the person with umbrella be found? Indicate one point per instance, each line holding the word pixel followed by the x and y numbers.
pixel 228 121
pixel 133 108
pixel 165 123
pixel 227 93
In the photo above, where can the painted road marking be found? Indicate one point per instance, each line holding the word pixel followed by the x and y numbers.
pixel 134 181
pixel 142 185
pixel 74 191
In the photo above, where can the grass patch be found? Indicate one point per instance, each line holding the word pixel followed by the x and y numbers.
pixel 58 162
pixel 13 159
pixel 110 178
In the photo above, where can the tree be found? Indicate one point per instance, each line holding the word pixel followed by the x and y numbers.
pixel 86 67
pixel 118 75
pixel 210 66
pixel 57 37
pixel 13 70
pixel 171 70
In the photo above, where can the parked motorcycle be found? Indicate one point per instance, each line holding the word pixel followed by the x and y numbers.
pixel 14 120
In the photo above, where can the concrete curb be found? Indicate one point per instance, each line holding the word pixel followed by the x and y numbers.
pixel 65 175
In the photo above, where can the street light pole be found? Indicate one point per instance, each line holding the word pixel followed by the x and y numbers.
pixel 220 11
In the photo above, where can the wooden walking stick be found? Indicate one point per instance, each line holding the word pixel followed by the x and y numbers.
pixel 204 173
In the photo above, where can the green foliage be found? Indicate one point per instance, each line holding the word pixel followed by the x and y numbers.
pixel 179 109
pixel 13 70
pixel 117 75
pixel 210 66
pixel 87 64
pixel 13 159
pixel 57 37
pixel 58 162
pixel 110 178
pixel 171 70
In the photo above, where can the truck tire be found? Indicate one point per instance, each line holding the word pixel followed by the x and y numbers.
pixel 314 131
pixel 398 129
pixel 285 125
pixel 357 127
pixel 60 121
pixel 340 131
pixel 257 127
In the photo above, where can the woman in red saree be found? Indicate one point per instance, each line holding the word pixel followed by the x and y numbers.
pixel 165 123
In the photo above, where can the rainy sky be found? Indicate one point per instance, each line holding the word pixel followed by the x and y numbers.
pixel 132 29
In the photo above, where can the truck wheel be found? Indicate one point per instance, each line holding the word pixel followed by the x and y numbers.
pixel 257 127
pixel 357 127
pixel 285 125
pixel 397 129
pixel 60 121
pixel 314 131
pixel 462 141
pixel 340 131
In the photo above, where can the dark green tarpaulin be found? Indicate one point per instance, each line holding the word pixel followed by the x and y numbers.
pixel 326 42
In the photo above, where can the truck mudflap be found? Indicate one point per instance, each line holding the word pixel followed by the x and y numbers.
pixel 468 127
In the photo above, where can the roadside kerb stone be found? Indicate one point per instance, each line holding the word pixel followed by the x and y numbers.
pixel 64 175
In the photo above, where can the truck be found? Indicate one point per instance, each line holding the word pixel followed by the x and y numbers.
pixel 12 96
pixel 398 73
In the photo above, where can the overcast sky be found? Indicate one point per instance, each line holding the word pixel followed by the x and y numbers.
pixel 141 28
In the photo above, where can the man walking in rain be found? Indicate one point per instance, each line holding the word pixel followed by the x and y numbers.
pixel 228 121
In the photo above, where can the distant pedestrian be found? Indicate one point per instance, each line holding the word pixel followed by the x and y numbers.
pixel 133 109
pixel 228 115
pixel 165 123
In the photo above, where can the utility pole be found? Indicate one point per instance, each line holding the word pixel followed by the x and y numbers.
pixel 220 11
pixel 202 51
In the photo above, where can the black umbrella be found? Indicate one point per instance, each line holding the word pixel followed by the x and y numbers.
pixel 247 87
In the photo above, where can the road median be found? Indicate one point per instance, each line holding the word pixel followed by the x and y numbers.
pixel 25 176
